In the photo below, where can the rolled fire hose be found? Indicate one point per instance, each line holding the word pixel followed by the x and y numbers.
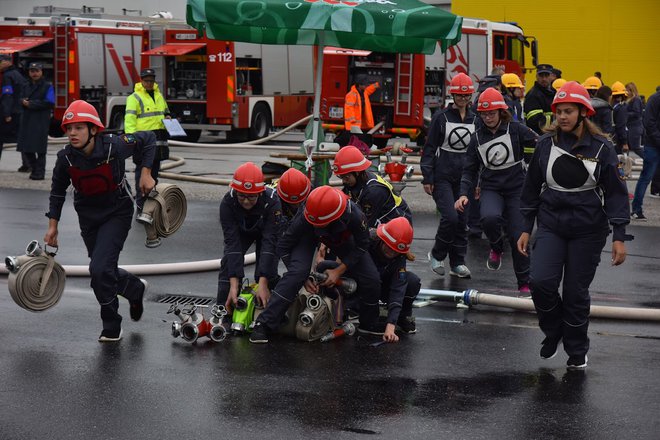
pixel 163 212
pixel 36 280
pixel 472 297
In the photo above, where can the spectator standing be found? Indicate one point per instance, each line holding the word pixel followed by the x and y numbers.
pixel 601 104
pixel 538 100
pixel 10 104
pixel 620 117
pixel 651 121
pixel 145 110
pixel 38 101
pixel 357 106
pixel 635 129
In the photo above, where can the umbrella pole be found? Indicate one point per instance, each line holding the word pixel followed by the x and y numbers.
pixel 316 113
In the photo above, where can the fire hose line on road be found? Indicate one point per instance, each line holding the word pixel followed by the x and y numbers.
pixel 471 297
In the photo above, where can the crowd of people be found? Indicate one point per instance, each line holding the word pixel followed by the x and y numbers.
pixel 548 161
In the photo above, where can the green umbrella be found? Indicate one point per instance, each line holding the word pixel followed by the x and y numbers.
pixel 405 26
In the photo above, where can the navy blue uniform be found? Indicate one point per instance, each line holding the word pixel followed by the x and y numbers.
pixel 442 163
pixel 399 288
pixel 105 217
pixel 573 191
pixel 635 127
pixel 498 158
pixel 376 199
pixel 603 116
pixel 515 107
pixel 241 228
pixel 620 117
pixel 346 237
pixel 13 83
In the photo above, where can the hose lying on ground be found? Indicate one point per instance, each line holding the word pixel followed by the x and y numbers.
pixel 472 297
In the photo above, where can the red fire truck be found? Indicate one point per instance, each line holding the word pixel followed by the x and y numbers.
pixel 241 88
pixel 90 55
pixel 87 56
pixel 413 86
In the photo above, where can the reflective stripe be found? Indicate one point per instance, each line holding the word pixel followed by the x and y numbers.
pixel 139 100
pixel 354 164
pixel 131 112
pixel 534 113
pixel 529 150
pixel 150 114
pixel 89 115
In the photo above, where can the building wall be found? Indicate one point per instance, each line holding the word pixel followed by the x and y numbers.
pixel 621 40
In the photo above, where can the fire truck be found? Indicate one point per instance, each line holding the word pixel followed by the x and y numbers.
pixel 413 86
pixel 243 89
pixel 240 88
pixel 87 55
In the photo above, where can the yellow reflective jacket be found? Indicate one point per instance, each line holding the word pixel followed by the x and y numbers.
pixel 144 113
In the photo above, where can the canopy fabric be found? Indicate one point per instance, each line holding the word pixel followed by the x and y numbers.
pixel 405 26
pixel 20 44
pixel 173 49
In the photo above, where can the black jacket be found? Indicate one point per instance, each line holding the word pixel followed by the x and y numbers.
pixel 35 122
pixel 603 116
pixel 376 200
pixel 394 277
pixel 262 224
pixel 538 98
pixel 12 88
pixel 651 120
pixel 581 212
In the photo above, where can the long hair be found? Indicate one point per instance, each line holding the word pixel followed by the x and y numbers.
pixel 592 128
pixel 632 91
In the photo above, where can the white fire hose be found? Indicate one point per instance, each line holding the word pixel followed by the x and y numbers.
pixel 472 297
pixel 36 280
pixel 163 213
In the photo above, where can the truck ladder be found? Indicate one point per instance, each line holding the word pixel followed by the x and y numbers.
pixel 404 63
pixel 157 39
pixel 61 73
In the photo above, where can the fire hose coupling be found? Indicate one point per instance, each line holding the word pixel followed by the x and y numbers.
pixel 192 325
pixel 470 297
pixel 36 281
pixel 163 213
pixel 346 286
pixel 347 329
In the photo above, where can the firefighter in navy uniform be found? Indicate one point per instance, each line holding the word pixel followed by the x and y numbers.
pixel 538 100
pixel 572 190
pixel 620 117
pixel 329 217
pixel 497 152
pixel 292 187
pixel 249 213
pixel 11 110
pixel 95 166
pixel 370 191
pixel 442 164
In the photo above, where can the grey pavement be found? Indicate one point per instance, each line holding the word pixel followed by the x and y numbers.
pixel 468 373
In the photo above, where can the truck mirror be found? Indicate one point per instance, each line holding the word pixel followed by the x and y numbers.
pixel 535 52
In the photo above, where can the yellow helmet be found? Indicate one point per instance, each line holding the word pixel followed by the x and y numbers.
pixel 592 83
pixel 556 84
pixel 511 80
pixel 619 89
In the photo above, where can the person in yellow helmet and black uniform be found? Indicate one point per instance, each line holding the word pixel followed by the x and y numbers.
pixel 145 110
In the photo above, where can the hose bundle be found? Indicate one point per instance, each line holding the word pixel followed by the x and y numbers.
pixel 163 213
pixel 36 280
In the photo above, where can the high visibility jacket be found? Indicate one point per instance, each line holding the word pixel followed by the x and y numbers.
pixel 144 113
pixel 353 108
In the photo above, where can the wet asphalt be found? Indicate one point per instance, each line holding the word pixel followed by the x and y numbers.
pixel 468 373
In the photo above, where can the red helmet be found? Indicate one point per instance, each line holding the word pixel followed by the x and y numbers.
pixel 574 93
pixel 81 111
pixel 397 234
pixel 491 99
pixel 248 179
pixel 461 84
pixel 349 160
pixel 325 204
pixel 293 187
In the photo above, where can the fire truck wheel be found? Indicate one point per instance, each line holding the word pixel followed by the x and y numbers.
pixel 260 124
pixel 117 118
